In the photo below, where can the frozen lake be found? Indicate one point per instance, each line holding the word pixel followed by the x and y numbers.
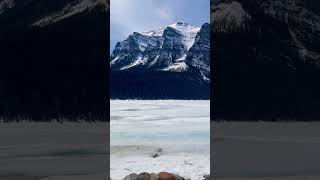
pixel 266 150
pixel 53 151
pixel 179 131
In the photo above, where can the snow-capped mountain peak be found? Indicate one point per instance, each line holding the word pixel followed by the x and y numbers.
pixel 184 28
pixel 153 38
pixel 154 32
pixel 166 49
pixel 188 31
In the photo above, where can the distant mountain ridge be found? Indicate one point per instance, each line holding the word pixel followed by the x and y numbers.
pixel 53 59
pixel 303 25
pixel 168 49
pixel 34 13
pixel 268 59
pixel 180 49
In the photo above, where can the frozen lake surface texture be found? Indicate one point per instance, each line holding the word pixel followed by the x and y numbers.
pixel 177 132
pixel 266 150
pixel 53 151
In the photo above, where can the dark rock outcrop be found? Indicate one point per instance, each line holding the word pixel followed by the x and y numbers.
pixel 166 176
pixel 144 176
pixel 206 177
pixel 132 176
pixel 153 176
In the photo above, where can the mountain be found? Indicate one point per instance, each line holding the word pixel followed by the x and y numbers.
pixel 268 59
pixel 53 59
pixel 176 54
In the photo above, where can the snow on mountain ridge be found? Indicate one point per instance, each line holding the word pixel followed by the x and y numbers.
pixel 187 30
pixel 154 32
pixel 141 41
pixel 166 49
pixel 69 10
pixel 176 67
pixel 184 28
pixel 6 4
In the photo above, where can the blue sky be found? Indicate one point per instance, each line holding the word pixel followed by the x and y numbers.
pixel 128 16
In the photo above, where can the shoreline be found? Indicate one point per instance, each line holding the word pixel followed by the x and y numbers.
pixel 186 164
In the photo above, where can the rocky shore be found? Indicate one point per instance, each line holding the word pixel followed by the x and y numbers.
pixel 159 176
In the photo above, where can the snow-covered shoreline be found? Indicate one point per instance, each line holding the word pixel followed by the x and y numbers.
pixel 181 129
pixel 193 165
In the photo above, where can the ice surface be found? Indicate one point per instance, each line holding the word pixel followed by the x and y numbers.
pixel 139 129
pixel 266 150
pixel 53 151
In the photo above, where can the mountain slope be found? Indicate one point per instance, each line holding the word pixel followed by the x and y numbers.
pixel 178 51
pixel 267 65
pixel 54 71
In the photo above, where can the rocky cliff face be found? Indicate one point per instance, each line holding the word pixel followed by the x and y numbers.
pixel 181 50
pixel 267 59
pixel 175 48
pixel 301 23
pixel 199 54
